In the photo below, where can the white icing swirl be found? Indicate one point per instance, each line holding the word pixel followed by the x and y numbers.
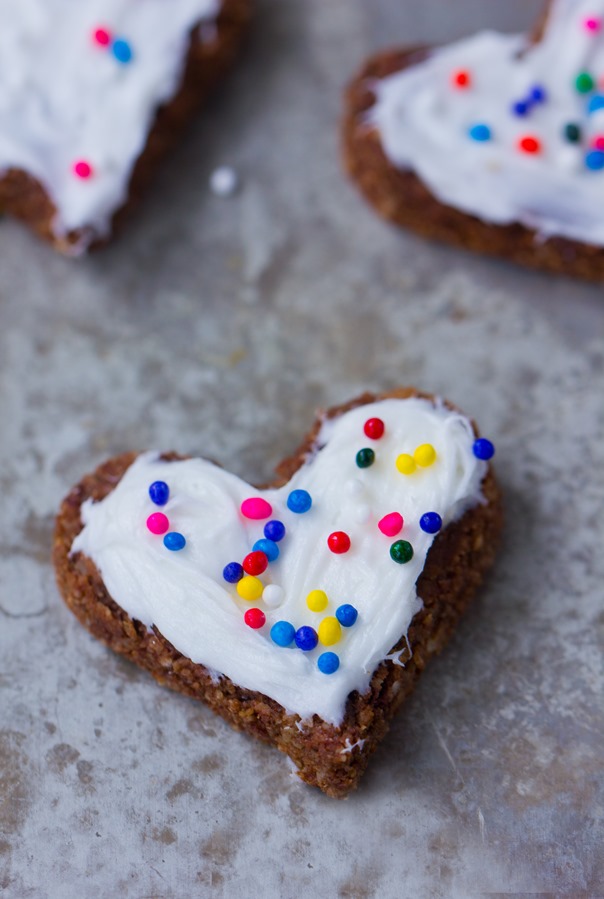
pixel 423 122
pixel 65 98
pixel 184 593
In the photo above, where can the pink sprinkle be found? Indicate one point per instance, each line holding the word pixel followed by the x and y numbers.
pixel 598 142
pixel 82 169
pixel 592 24
pixel 158 523
pixel 256 508
pixel 391 524
pixel 102 37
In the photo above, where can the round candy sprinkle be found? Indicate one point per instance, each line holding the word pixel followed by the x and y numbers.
pixel 283 633
pixel 584 83
pixel 354 487
pixel 102 37
pixel 594 103
pixel 255 618
pixel 256 508
pixel 362 513
pixel 328 663
pixel 159 493
pixel 594 160
pixel 299 501
pixel 273 595
pixel 480 132
pixel 425 455
pixel 461 78
pixel 330 631
pixel 405 463
pixel 374 428
pixel 365 457
pixel 431 522
pixel 232 572
pixel 598 142
pixel 274 530
pixel 538 94
pixel 483 449
pixel 520 108
pixel 346 615
pixel 158 523
pixel 572 133
pixel 592 23
pixel 122 50
pixel 317 600
pixel 268 547
pixel 391 524
pixel 250 588
pixel 224 181
pixel 529 144
pixel 82 169
pixel 401 551
pixel 306 638
pixel 174 541
pixel 339 542
pixel 255 562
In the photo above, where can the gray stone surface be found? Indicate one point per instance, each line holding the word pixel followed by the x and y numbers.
pixel 218 326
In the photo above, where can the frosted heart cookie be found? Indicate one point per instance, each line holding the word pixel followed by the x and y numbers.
pixel 304 612
pixel 92 94
pixel 494 143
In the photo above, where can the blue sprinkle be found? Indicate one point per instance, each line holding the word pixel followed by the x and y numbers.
pixel 346 615
pixel 480 133
pixel 306 638
pixel 269 547
pixel 594 160
pixel 299 501
pixel 328 662
pixel 283 633
pixel 519 108
pixel 483 448
pixel 596 102
pixel 159 493
pixel 431 522
pixel 122 50
pixel 274 530
pixel 232 572
pixel 174 541
pixel 538 94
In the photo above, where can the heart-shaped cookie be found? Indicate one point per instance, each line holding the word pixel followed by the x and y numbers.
pixel 494 143
pixel 294 610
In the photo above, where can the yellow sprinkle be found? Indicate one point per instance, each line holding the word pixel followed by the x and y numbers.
pixel 425 455
pixel 405 463
pixel 330 631
pixel 316 600
pixel 250 588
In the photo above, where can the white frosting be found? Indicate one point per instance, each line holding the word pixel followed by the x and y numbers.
pixel 64 98
pixel 423 123
pixel 184 593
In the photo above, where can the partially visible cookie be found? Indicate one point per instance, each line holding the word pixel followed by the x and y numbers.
pixel 494 143
pixel 92 95
pixel 302 613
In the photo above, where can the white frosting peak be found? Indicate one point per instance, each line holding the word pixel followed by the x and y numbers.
pixel 423 121
pixel 185 595
pixel 65 98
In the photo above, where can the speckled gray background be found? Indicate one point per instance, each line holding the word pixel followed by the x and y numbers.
pixel 218 326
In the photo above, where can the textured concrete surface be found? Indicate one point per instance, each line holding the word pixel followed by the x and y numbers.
pixel 218 326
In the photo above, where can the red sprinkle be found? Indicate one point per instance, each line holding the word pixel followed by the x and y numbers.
pixel 338 542
pixel 255 618
pixel 256 508
pixel 82 169
pixel 374 428
pixel 102 37
pixel 158 523
pixel 461 78
pixel 255 562
pixel 598 142
pixel 529 144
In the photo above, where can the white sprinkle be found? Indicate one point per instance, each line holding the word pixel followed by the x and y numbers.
pixel 362 514
pixel 224 181
pixel 354 487
pixel 273 595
